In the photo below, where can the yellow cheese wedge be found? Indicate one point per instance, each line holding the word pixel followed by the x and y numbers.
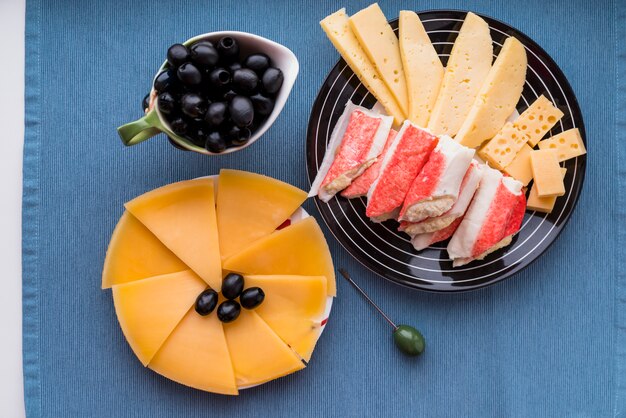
pixel 497 97
pixel 148 310
pixel 299 249
pixel 381 46
pixel 538 119
pixel 468 66
pixel 568 144
pixel 547 173
pixel 241 194
pixel 519 168
pixel 196 355
pixel 337 28
pixel 293 308
pixel 135 253
pixel 182 216
pixel 541 204
pixel 422 67
pixel 257 353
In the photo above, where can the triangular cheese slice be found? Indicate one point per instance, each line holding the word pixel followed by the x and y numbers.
pixel 135 253
pixel 257 353
pixel 182 216
pixel 148 310
pixel 299 249
pixel 293 308
pixel 241 194
pixel 196 355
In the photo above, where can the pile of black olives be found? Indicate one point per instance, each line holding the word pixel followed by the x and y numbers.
pixel 232 288
pixel 212 97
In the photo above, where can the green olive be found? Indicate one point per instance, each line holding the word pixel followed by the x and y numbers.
pixel 409 340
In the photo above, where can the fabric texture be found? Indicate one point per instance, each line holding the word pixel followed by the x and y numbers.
pixel 550 341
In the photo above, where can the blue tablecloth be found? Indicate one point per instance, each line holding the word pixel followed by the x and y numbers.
pixel 549 342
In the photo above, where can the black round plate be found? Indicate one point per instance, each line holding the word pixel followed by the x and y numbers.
pixel 389 253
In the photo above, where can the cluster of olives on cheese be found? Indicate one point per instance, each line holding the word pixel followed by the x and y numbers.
pixel 211 96
pixel 232 288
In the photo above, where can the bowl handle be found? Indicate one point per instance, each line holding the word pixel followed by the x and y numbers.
pixel 138 131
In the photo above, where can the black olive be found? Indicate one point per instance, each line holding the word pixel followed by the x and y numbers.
pixel 179 126
pixel 252 297
pixel 228 311
pixel 257 63
pixel 272 80
pixel 219 78
pixel 165 81
pixel 145 103
pixel 193 105
pixel 239 136
pixel 233 66
pixel 215 142
pixel 206 302
pixel 189 74
pixel 198 135
pixel 216 114
pixel 241 111
pixel 177 55
pixel 232 285
pixel 204 55
pixel 245 81
pixel 166 103
pixel 228 96
pixel 205 42
pixel 263 105
pixel 228 48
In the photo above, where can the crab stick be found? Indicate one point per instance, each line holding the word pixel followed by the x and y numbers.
pixel 421 241
pixel 468 188
pixel 362 184
pixel 436 188
pixel 494 216
pixel 404 159
pixel 357 139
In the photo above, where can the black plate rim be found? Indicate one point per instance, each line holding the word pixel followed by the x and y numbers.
pixel 577 113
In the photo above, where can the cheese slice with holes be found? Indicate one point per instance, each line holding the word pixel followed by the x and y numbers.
pixel 541 204
pixel 538 119
pixel 467 69
pixel 196 355
pixel 258 355
pixel 422 67
pixel 568 144
pixel 497 97
pixel 134 253
pixel 148 310
pixel 293 307
pixel 239 191
pixel 182 216
pixel 519 168
pixel 299 249
pixel 529 128
pixel 547 173
pixel 380 44
pixel 337 28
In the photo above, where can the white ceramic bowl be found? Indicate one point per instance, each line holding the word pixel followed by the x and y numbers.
pixel 281 57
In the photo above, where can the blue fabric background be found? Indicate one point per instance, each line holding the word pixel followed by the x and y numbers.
pixel 549 342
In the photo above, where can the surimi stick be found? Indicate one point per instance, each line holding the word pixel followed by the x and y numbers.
pixel 436 188
pixel 357 139
pixel 421 241
pixel 405 158
pixel 468 188
pixel 494 216
pixel 362 184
